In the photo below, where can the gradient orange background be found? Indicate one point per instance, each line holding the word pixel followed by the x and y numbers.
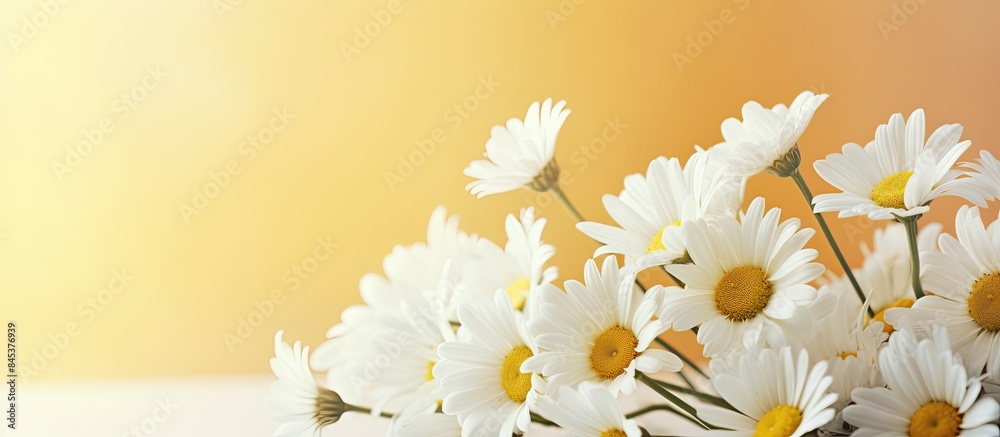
pixel 355 116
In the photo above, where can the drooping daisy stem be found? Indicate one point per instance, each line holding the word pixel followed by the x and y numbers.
pixel 911 237
pixel 801 183
pixel 672 398
pixel 557 192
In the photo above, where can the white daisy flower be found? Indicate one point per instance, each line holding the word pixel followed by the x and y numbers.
pixel 301 406
pixel 594 332
pixel 519 267
pixel 520 155
pixel 481 375
pixel 896 175
pixel 421 264
pixel 383 353
pixel 965 279
pixel 590 410
pixel 749 281
pixel 849 347
pixel 776 393
pixel 984 177
pixel 929 393
pixel 885 274
pixel 650 210
pixel 766 138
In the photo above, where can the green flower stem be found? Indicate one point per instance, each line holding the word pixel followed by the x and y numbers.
pixel 676 281
pixel 683 358
pixel 651 383
pixel 663 407
pixel 911 237
pixel 652 408
pixel 715 400
pixel 566 204
pixel 535 418
pixel 685 379
pixel 357 409
pixel 801 183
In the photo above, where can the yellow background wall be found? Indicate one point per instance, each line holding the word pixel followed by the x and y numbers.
pixel 201 76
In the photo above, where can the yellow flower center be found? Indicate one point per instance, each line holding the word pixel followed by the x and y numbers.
pixel 742 293
pixel 984 302
pixel 516 384
pixel 613 432
pixel 880 316
pixel 430 371
pixel 518 292
pixel 781 421
pixel 935 419
pixel 844 355
pixel 613 351
pixel 889 192
pixel 656 243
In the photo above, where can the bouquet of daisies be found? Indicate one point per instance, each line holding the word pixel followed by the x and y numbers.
pixel 461 336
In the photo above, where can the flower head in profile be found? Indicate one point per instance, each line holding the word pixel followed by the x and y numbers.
pixel 520 154
pixel 599 331
pixel 776 392
pixel 480 372
pixel 650 210
pixel 749 282
pixel 590 410
pixel 965 279
pixel 301 406
pixel 929 393
pixel 766 139
pixel 897 175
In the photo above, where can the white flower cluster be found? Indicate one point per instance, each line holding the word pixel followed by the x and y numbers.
pixel 463 337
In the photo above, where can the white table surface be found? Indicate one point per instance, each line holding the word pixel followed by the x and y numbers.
pixel 209 406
